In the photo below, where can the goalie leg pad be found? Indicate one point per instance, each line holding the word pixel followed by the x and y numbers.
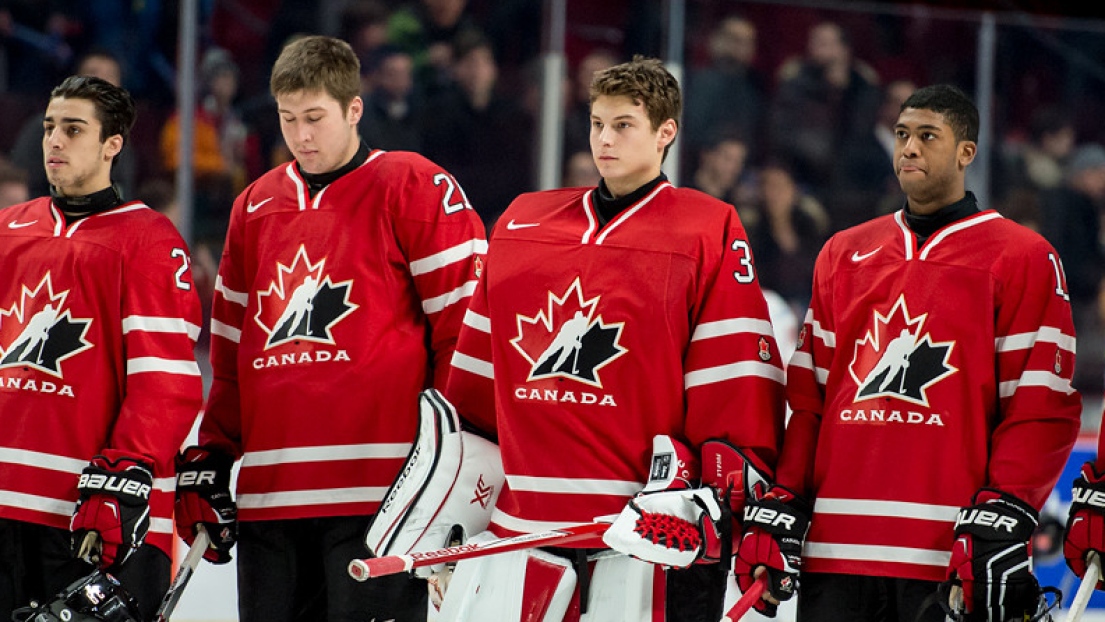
pixel 518 586
pixel 624 589
pixel 445 491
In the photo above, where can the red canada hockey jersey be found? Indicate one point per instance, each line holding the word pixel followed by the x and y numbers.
pixel 98 322
pixel 331 313
pixel 922 375
pixel 583 342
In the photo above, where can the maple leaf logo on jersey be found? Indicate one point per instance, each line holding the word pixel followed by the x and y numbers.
pixel 568 339
pixel 302 303
pixel 38 331
pixel 896 358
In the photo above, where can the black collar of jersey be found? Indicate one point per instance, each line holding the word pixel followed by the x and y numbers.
pixel 76 208
pixel 607 206
pixel 924 225
pixel 321 180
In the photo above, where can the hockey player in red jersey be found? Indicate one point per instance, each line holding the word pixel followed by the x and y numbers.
pixel 341 289
pixel 1085 532
pixel 933 408
pixel 608 317
pixel 98 380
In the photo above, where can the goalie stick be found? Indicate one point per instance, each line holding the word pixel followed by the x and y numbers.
pixel 364 569
pixel 1086 588
pixel 747 600
pixel 183 574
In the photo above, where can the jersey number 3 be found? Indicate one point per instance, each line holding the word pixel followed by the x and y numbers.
pixel 747 273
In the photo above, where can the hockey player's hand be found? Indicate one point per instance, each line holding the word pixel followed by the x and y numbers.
pixel 203 498
pixel 774 529
pixel 114 502
pixel 990 557
pixel 1086 525
pixel 674 528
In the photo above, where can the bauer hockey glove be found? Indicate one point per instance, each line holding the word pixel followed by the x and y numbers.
pixel 1086 525
pixel 991 558
pixel 114 503
pixel 203 498
pixel 774 529
pixel 669 522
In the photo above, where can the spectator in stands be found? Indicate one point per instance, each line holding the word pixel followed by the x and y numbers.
pixel 130 31
pixel 13 185
pixel 729 94
pixel 26 152
pixel 390 119
pixel 577 116
pixel 721 171
pixel 428 30
pixel 822 101
pixel 1070 218
pixel 1026 170
pixel 364 26
pixel 786 228
pixel 482 137
pixel 863 180
pixel 224 159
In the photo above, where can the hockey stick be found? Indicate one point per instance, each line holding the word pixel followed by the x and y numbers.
pixel 1086 588
pixel 183 574
pixel 747 600
pixel 364 569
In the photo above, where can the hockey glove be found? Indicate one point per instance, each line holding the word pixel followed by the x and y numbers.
pixel 114 503
pixel 991 558
pixel 203 498
pixel 1086 525
pixel 774 529
pixel 669 522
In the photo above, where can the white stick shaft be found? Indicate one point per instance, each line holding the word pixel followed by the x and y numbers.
pixel 1086 588
pixel 183 574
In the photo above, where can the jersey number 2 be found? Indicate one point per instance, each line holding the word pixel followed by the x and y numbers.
pixel 450 201
pixel 747 273
pixel 185 260
pixel 1060 277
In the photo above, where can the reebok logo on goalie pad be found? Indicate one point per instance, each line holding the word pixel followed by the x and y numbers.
pixel 483 493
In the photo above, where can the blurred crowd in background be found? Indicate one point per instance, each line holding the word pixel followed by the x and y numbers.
pixel 789 109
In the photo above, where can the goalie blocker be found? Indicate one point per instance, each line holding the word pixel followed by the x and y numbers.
pixel 445 492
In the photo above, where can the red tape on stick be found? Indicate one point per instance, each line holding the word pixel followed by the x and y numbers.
pixel 747 600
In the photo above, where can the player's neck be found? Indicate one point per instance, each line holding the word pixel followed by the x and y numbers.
pixel 318 181
pixel 80 206
pixel 609 206
pixel 924 225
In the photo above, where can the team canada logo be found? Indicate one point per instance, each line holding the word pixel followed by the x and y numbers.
pixel 897 358
pixel 303 303
pixel 568 339
pixel 38 331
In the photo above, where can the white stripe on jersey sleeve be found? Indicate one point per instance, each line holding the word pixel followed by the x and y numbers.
pixel 875 553
pixel 146 364
pixel 522 525
pixel 325 453
pixel 226 331
pixel 886 509
pixel 36 503
pixel 473 365
pixel 805 361
pixel 440 303
pixel 324 496
pixel 152 324
pixel 827 337
pixel 238 298
pixel 479 322
pixel 721 373
pixel 1024 341
pixel 42 460
pixel 1044 379
pixel 574 486
pixel 721 328
pixel 460 252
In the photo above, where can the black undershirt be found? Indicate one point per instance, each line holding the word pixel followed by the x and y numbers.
pixel 607 206
pixel 76 208
pixel 316 182
pixel 925 225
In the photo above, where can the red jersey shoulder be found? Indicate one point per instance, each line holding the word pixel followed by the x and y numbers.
pixel 25 212
pixel 881 232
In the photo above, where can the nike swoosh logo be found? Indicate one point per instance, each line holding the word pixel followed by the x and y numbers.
pixel 19 225
pixel 514 226
pixel 856 257
pixel 253 207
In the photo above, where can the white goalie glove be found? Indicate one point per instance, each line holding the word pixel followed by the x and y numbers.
pixel 445 492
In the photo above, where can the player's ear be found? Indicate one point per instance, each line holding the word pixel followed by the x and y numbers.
pixel 112 146
pixel 356 109
pixel 665 134
pixel 968 149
